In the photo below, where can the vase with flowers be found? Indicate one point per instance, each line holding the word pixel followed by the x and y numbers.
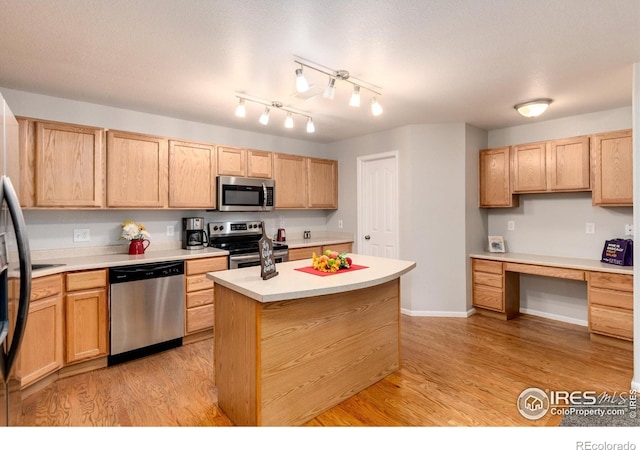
pixel 138 236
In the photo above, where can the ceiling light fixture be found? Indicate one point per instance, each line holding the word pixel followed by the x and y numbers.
pixel 342 75
pixel 533 108
pixel 301 82
pixel 376 108
pixel 269 105
pixel 241 110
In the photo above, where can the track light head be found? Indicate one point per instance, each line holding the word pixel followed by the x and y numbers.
pixel 288 123
pixel 241 109
pixel 376 108
pixel 310 126
pixel 330 90
pixel 301 82
pixel 355 97
pixel 264 118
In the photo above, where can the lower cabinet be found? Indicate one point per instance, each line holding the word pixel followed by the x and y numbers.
pixel 296 254
pixel 199 293
pixel 611 305
pixel 492 288
pixel 86 315
pixel 41 352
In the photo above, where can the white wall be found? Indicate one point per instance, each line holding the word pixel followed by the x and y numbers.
pixel 50 229
pixel 554 224
pixel 433 166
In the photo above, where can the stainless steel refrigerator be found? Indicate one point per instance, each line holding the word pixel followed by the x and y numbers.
pixel 14 303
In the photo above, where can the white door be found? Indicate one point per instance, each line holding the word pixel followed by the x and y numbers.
pixel 378 205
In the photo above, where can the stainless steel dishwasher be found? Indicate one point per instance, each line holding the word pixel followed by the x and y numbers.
pixel 146 309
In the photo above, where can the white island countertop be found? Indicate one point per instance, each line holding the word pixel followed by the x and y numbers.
pixel 292 284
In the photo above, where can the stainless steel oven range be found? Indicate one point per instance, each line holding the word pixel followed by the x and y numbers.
pixel 240 239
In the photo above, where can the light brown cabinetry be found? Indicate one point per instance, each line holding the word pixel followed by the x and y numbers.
pixel 322 182
pixel 290 175
pixel 495 179
pixel 493 289
pixel 242 162
pixel 86 315
pixel 42 346
pixel 199 313
pixel 612 160
pixel 137 170
pixel 192 175
pixel 611 304
pixel 62 165
pixel 299 253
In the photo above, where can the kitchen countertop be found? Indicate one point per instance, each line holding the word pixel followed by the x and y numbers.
pixel 292 284
pixel 555 261
pixel 101 261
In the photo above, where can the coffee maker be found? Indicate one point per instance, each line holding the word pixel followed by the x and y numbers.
pixel 193 235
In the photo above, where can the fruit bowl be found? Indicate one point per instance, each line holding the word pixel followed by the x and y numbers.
pixel 330 261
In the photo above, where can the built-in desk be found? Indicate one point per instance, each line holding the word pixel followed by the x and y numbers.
pixel 496 288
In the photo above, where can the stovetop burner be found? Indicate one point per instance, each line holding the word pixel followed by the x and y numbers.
pixel 238 237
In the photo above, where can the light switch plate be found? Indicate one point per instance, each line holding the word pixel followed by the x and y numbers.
pixel 628 230
pixel 511 225
pixel 590 228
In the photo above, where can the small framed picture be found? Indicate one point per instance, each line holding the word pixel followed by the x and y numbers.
pixel 496 244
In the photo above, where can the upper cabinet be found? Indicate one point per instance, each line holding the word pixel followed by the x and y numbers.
pixel 136 170
pixel 192 175
pixel 552 166
pixel 612 160
pixel 495 179
pixel 322 183
pixel 242 162
pixel 62 165
pixel 290 175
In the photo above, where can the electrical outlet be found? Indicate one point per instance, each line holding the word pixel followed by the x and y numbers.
pixel 81 235
pixel 628 230
pixel 511 225
pixel 170 230
pixel 590 228
pixel 340 224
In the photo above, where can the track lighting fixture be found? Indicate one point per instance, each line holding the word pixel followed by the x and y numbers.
pixel 341 75
pixel 241 110
pixel 301 82
pixel 269 105
pixel 533 108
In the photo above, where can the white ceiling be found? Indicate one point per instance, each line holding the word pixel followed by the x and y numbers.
pixel 435 60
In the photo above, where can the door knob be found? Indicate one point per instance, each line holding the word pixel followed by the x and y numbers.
pixel 367 237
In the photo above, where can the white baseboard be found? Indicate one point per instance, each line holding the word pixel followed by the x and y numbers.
pixel 635 385
pixel 547 315
pixel 409 312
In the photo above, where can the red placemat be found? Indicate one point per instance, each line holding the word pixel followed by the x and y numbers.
pixel 313 271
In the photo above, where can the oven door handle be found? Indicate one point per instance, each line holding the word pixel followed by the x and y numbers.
pixel 244 257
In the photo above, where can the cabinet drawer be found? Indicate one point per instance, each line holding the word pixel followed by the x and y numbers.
pixel 77 281
pixel 611 321
pixel 481 265
pixel 200 298
pixel 340 248
pixel 199 318
pixel 607 297
pixel 44 287
pixel 487 297
pixel 198 282
pixel 197 266
pixel 303 253
pixel 488 279
pixel 614 281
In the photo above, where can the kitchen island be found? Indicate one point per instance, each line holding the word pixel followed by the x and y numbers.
pixel 289 348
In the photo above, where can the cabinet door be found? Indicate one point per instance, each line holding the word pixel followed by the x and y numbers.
pixel 69 165
pixel 232 161
pixel 322 187
pixel 529 167
pixel 86 324
pixel 612 157
pixel 42 347
pixel 136 170
pixel 259 164
pixel 290 175
pixel 192 175
pixel 568 165
pixel 495 179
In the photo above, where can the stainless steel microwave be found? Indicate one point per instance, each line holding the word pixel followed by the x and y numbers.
pixel 245 194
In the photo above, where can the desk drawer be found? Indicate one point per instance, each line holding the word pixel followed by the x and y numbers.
pixel 488 279
pixel 487 297
pixel 481 265
pixel 607 297
pixel 616 281
pixel 611 321
pixel 547 271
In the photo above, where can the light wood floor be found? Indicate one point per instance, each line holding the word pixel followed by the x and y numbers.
pixel 455 372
